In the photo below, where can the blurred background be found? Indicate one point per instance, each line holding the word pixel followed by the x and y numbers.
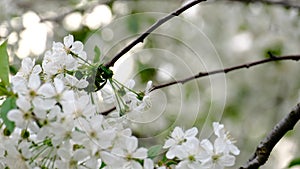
pixel 212 35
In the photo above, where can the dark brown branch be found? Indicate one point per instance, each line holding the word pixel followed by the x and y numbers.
pixel 105 113
pixel 227 70
pixel 284 3
pixel 150 30
pixel 265 147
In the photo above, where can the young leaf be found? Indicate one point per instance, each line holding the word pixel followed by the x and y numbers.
pixel 4 65
pixel 154 151
pixel 97 54
pixel 8 104
pixel 294 162
pixel 3 89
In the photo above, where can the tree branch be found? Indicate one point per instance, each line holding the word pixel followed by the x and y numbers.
pixel 226 70
pixel 265 147
pixel 150 30
pixel 284 3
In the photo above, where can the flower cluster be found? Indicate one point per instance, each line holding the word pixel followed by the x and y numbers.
pixel 56 122
pixel 191 153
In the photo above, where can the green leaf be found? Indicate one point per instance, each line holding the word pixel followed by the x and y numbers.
pixel 3 89
pixel 97 54
pixel 154 151
pixel 4 65
pixel 8 104
pixel 294 162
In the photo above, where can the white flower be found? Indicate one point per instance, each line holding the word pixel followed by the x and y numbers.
pixel 93 131
pixel 69 44
pixel 214 158
pixel 56 91
pixel 14 158
pixel 178 137
pixel 80 107
pixel 51 64
pixel 189 155
pixel 23 115
pixel 130 152
pixel 224 142
pixel 28 67
pixel 140 105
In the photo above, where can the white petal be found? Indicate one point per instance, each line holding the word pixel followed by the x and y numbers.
pixel 234 150
pixel 83 55
pixel 47 90
pixel 57 46
pixel 59 85
pixel 177 133
pixel 169 143
pixel 111 159
pixel 27 65
pixel 106 138
pixel 15 115
pixel 37 69
pixel 130 84
pixel 80 154
pixel 23 104
pixel 68 41
pixel 77 47
pixel 34 81
pixel 140 153
pixel 44 104
pixel 133 165
pixel 227 160
pixel 171 153
pixel 220 145
pixel 149 85
pixel 132 144
pixel 206 145
pixel 218 129
pixel 181 153
pixel 191 132
pixel 148 164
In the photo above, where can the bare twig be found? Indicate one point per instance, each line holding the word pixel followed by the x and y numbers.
pixel 284 3
pixel 105 113
pixel 265 147
pixel 226 70
pixel 150 30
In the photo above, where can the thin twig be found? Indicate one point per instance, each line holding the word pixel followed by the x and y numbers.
pixel 150 30
pixel 105 113
pixel 226 70
pixel 265 147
